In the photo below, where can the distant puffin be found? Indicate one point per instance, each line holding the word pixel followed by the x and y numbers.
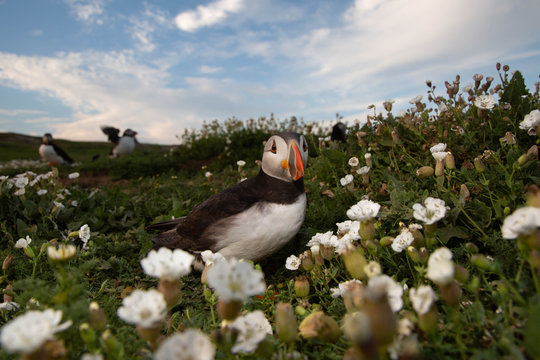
pixel 122 145
pixel 252 219
pixel 339 132
pixel 50 152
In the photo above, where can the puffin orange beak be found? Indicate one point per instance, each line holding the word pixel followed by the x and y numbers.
pixel 296 167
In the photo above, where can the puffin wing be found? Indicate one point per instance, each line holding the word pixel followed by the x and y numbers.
pixel 187 233
pixel 61 153
pixel 112 133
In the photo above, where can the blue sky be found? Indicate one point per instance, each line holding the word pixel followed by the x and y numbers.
pixel 160 66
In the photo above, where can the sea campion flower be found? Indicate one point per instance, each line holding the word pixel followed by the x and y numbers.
pixel 372 269
pixel 146 309
pixel 484 102
pixel 252 329
pixel 208 174
pixel 347 180
pixel 402 241
pixel 416 99
pixel 531 122
pixel 241 163
pixel 363 210
pixel 422 299
pixel 41 192
pixel 84 234
pixel 235 280
pixel 292 263
pixel 523 221
pixel 210 258
pixel 385 284
pixel 73 175
pixel 325 239
pixel 438 148
pixel 354 162
pixel 387 104
pixel 61 253
pixel 440 267
pixel 345 287
pixel 28 332
pixel 432 211
pixel 23 243
pixel 168 264
pixel 191 344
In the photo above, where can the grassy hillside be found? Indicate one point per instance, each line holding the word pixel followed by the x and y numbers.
pixel 447 249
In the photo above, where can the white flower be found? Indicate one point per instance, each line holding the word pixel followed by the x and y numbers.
pixel 74 203
pixel 350 227
pixel 354 161
pixel 292 263
pixel 523 221
pixel 20 192
pixel 363 210
pixel 58 205
pixel 415 99
pixel 167 264
pixel 21 182
pixel 191 344
pixel 485 102
pixel 363 170
pixel 235 280
pixel 381 284
pixel 144 308
pixel 402 241
pixel 9 306
pixel 73 175
pixel 23 243
pixel 28 332
pixel 241 163
pixel 89 356
pixel 440 267
pixel 346 180
pixel 531 121
pixel 252 329
pixel 326 239
pixel 467 88
pixel 372 269
pixel 345 287
pixel 433 211
pixel 84 233
pixel 443 107
pixel 441 155
pixel 438 148
pixel 422 298
pixel 41 192
pixel 208 174
pixel 210 258
pixel 61 253
pixel 401 114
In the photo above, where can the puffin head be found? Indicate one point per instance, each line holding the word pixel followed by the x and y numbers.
pixel 285 156
pixel 47 138
pixel 129 132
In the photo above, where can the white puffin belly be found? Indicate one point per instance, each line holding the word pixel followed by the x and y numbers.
pixel 125 146
pixel 47 153
pixel 261 230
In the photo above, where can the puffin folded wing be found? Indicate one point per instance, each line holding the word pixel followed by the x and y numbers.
pixel 173 240
pixel 166 225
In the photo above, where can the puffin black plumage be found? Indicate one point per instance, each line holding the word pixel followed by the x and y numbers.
pixel 252 219
pixel 52 153
pixel 339 132
pixel 123 145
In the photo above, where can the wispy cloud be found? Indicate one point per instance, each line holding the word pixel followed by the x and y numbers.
pixel 143 27
pixel 88 11
pixel 37 32
pixel 204 69
pixel 19 112
pixel 207 15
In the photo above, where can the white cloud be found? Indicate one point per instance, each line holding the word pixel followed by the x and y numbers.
pixel 37 32
pixel 207 15
pixel 19 112
pixel 88 11
pixel 205 69
pixel 143 27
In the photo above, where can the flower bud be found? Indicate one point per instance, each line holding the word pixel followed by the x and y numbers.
pixel 460 273
pixel 87 334
pixel 533 196
pixel 451 293
pixel 356 328
pixel 533 151
pixel 439 167
pixel 481 262
pixel 386 241
pixel 228 310
pixel 523 159
pixel 367 230
pixel 327 252
pixel 464 192
pixel 316 254
pixel 321 326
pixel 170 290
pixel 306 260
pixel 286 325
pixel 535 260
pixel 382 320
pixel 428 321
pixel 425 172
pixel 449 161
pixel 301 286
pixel 97 317
pixel 354 262
pixel 113 348
pixel 471 248
pixel 413 254
pixel 424 255
pixel 479 164
pixel 7 263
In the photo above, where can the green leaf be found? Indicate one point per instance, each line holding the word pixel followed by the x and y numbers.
pixel 449 232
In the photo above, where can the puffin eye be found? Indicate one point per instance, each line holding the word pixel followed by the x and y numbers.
pixel 274 148
pixel 304 146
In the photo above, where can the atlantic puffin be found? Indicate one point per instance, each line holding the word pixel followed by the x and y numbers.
pixel 339 132
pixel 251 219
pixel 50 152
pixel 122 145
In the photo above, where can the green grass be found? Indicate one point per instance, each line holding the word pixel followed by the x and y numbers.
pixel 498 311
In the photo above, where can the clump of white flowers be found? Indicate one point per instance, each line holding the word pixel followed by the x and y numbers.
pixel 484 102
pixel 531 122
pixel 191 344
pixel 146 309
pixel 235 280
pixel 252 328
pixel 28 332
pixel 523 221
pixel 363 210
pixel 168 264
pixel 402 241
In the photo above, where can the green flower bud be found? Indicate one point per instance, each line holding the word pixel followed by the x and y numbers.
pixel 460 273
pixel 170 290
pixel 301 286
pixel 451 293
pixel 286 325
pixel 228 310
pixel 425 172
pixel 87 334
pixel 386 241
pixel 479 164
pixel 450 162
pixel 321 326
pixel 471 248
pixel 97 317
pixel 354 262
